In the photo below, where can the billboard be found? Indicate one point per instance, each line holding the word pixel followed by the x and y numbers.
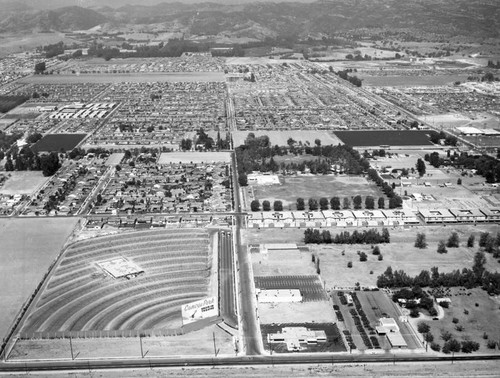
pixel 202 309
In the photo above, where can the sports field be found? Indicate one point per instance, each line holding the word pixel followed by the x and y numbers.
pixel 28 247
pixel 23 182
pixel 402 81
pixel 194 157
pixel 316 187
pixel 142 77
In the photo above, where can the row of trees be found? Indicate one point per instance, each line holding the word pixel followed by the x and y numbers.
pixel 394 199
pixel 354 80
pixel 372 236
pixel 469 278
pixel 335 204
pixel 266 205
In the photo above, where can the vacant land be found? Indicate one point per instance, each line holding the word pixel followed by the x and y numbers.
pixel 280 138
pixel 58 142
pixel 399 254
pixel 142 77
pixel 309 186
pixel 28 248
pixel 114 159
pixel 23 182
pixel 478 314
pixel 194 157
pixel 194 343
pixel 367 138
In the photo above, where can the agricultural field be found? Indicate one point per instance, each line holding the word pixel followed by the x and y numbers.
pixel 29 246
pixel 193 157
pixel 367 138
pixel 309 186
pixel 280 138
pixel 81 296
pixel 23 182
pixel 58 142
pixel 399 254
pixel 143 77
pixel 476 311
pixel 10 102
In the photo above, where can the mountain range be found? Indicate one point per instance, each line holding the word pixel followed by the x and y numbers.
pixel 473 18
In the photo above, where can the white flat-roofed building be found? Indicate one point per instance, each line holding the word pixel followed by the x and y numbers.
pixel 287 218
pixel 300 218
pixel 268 219
pixel 397 217
pixel 396 340
pixel 255 219
pixel 318 218
pixel 468 215
pixel 278 295
pixel 369 217
pixel 437 216
pixel 294 336
pixel 492 215
pixel 389 324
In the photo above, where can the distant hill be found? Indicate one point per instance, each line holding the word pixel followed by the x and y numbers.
pixel 66 18
pixel 474 18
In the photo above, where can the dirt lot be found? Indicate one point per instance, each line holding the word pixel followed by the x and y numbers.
pixel 28 246
pixel 194 343
pixel 193 157
pixel 23 182
pixel 316 312
pixel 293 187
pixel 484 318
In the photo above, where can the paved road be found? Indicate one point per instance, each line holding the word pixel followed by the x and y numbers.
pixel 226 279
pixel 251 330
pixel 318 358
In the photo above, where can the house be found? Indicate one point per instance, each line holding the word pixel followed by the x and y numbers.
pixel 437 216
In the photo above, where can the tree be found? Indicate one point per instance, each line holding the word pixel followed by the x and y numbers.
pixel 323 203
pixel 420 167
pixel 255 205
pixel 381 203
pixel 346 203
pixel 278 205
pixel 376 250
pixel 470 241
pixel 313 204
pixel 357 200
pixel 423 327
pixel 363 256
pixel 369 202
pixel 266 205
pixel 451 345
pixel 242 179
pixel 453 241
pixel 335 203
pixel 9 166
pixel 50 163
pixel 301 204
pixel 428 337
pixel 420 241
pixel 478 267
pixel 40 67
pixel 442 247
pixel 459 181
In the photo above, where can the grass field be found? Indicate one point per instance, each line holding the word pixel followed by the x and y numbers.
pixel 319 186
pixel 23 182
pixel 56 142
pixel 140 77
pixel 399 254
pixel 484 318
pixel 194 157
pixel 281 137
pixel 367 138
pixel 397 81
pixel 28 247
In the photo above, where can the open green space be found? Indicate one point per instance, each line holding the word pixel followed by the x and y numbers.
pixel 58 142
pixel 367 138
pixel 293 187
pixel 23 182
pixel 28 247
pixel 478 314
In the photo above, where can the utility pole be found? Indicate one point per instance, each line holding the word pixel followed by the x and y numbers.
pixel 71 348
pixel 140 341
pixel 215 346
